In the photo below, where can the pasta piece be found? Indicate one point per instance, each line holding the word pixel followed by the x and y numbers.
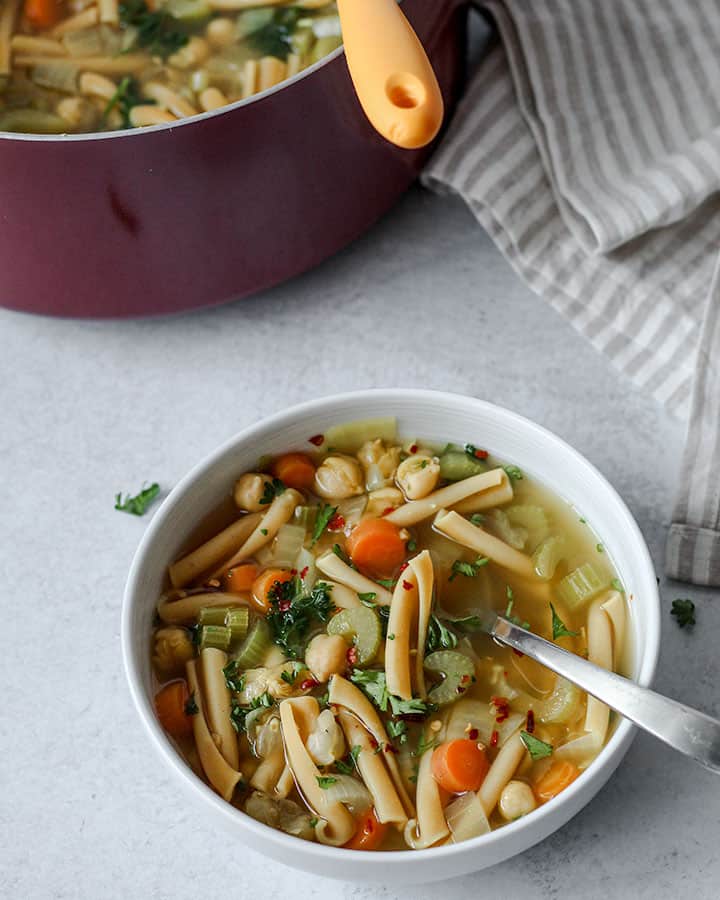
pixel 408 623
pixel 185 610
pixel 221 776
pixel 417 510
pixel 145 116
pixel 8 14
pixel 452 525
pixel 430 825
pixel 607 614
pixel 271 71
pixel 343 693
pixel 25 43
pixel 94 85
pixel 501 772
pixel 294 64
pixel 169 99
pixel 494 496
pixel 217 704
pixel 126 64
pixel 109 12
pixel 279 512
pixel 331 565
pixel 250 76
pixel 297 717
pixel 85 19
pixel 209 554
pixel 212 98
pixel 374 772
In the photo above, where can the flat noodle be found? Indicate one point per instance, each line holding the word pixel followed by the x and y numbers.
pixel 297 717
pixel 600 652
pixel 8 14
pixel 613 605
pixel 218 704
pixel 343 693
pixel 501 772
pixel 430 825
pixel 374 772
pixel 212 552
pixel 85 19
pixel 221 776
pixel 186 610
pixel 422 566
pixel 331 565
pixel 109 11
pixel 417 510
pixel 452 525
pixel 495 496
pixel 401 623
pixel 128 64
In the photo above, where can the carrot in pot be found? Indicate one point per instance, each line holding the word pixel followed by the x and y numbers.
pixel 239 579
pixel 369 835
pixel 376 547
pixel 263 585
pixel 459 765
pixel 43 13
pixel 559 776
pixel 295 470
pixel 171 706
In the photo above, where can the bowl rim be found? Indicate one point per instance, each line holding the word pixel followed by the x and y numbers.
pixel 606 761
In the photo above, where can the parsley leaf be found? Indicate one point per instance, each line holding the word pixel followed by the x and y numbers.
pixel 684 612
pixel 467 624
pixel 513 473
pixel 325 781
pixel 373 683
pixel 158 32
pixel 137 505
pixel 325 513
pixel 368 598
pixel 477 518
pixel 233 678
pixel 191 707
pixel 616 585
pixel 424 745
pixel 314 821
pixel 341 554
pixel 559 629
pixel 475 453
pixel 397 729
pixel 274 39
pixel 439 637
pixel 536 748
pixel 293 613
pixel 125 97
pixel 468 569
pixel 272 490
pixel 347 766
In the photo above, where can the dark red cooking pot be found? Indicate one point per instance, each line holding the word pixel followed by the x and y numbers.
pixel 180 216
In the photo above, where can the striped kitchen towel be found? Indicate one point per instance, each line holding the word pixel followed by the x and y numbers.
pixel 588 146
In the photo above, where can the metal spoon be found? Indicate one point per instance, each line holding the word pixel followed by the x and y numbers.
pixel 687 730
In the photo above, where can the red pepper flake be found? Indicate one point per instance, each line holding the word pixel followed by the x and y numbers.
pixel 293 572
pixel 388 510
pixel 352 656
pixel 414 448
pixel 317 439
pixel 336 523
pixel 494 739
pixel 404 566
pixel 464 679
pixel 473 734
pixel 517 652
pixel 530 722
pixel 284 605
pixel 308 684
pixel 304 572
pixel 502 706
pixel 373 743
pixel 481 454
pixel 390 749
pixel 407 585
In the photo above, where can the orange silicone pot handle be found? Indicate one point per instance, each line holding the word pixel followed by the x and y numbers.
pixel 392 75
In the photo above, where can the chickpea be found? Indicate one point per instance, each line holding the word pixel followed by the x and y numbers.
pixel 516 800
pixel 249 491
pixel 79 113
pixel 326 655
pixel 173 648
pixel 338 477
pixel 418 476
pixel 385 498
pixel 221 32
pixel 379 460
pixel 326 742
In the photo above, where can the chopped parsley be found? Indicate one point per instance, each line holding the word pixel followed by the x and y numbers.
pixel 191 707
pixel 386 583
pixel 293 613
pixel 158 32
pixel 535 747
pixel 477 518
pixel 513 473
pixel 125 97
pixel 559 628
pixel 368 598
pixel 412 546
pixel 274 39
pixel 314 821
pixel 373 683
pixel 684 612
pixel 233 678
pixel 439 637
pixel 398 729
pixel 509 611
pixel 325 513
pixel 325 781
pixel 599 548
pixel 424 745
pixel 468 569
pixel 347 765
pixel 272 490
pixel 475 453
pixel 137 505
pixel 341 554
pixel 264 531
pixel 289 677
pixel 616 585
pixel 391 637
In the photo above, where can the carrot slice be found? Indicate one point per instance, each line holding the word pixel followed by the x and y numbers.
pixel 240 579
pixel 375 546
pixel 43 13
pixel 369 835
pixel 171 707
pixel 295 470
pixel 263 585
pixel 459 765
pixel 559 776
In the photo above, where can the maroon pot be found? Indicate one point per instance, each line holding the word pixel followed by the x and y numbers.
pixel 174 217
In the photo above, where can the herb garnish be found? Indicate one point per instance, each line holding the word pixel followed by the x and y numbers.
pixel 477 518
pixel 373 683
pixel 424 745
pixel 536 748
pixel 439 637
pixel 325 513
pixel 294 612
pixel 191 707
pixel 157 32
pixel 513 473
pixel 475 453
pixel 368 598
pixel 137 505
pixel 274 39
pixel 468 569
pixel 233 678
pixel 616 585
pixel 272 490
pixel 341 554
pixel 386 583
pixel 559 628
pixel 398 729
pixel 347 766
pixel 125 97
pixel 684 612
pixel 325 781
pixel 238 713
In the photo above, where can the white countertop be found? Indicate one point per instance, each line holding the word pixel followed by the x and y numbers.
pixel 88 409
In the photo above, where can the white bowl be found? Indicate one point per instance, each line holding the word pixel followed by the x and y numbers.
pixel 436 417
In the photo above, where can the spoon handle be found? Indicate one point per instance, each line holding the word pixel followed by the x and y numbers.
pixel 687 730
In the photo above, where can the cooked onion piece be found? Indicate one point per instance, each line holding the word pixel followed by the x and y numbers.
pixel 417 510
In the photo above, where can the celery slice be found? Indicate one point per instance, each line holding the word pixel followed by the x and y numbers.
pixel 457 671
pixel 217 636
pixel 533 518
pixel 457 465
pixel 238 620
pixel 323 46
pixel 360 626
pixel 212 615
pixel 562 705
pixel 580 586
pixel 251 20
pixel 188 11
pixel 350 436
pixel 256 645
pixel 515 536
pixel 547 556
